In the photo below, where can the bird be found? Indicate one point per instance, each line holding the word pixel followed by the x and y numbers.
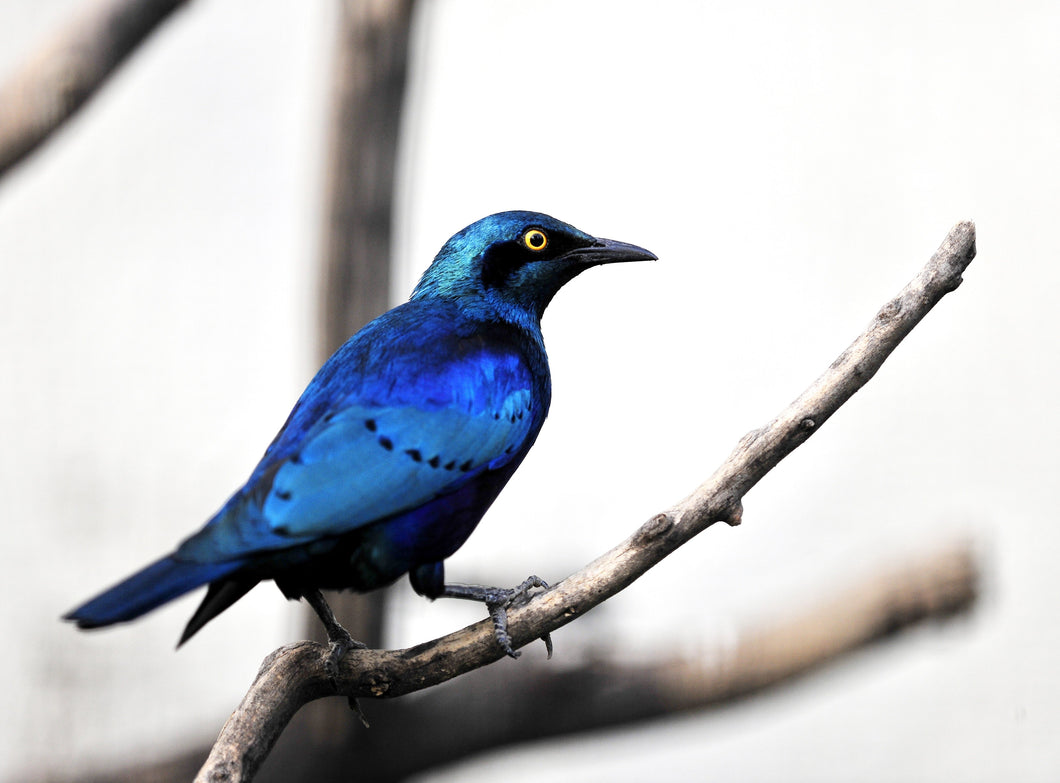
pixel 398 445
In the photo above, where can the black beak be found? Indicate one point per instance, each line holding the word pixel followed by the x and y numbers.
pixel 610 251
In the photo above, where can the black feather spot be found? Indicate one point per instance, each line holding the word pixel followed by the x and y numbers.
pixel 465 466
pixel 296 459
pixel 370 424
pixel 283 494
pixel 386 443
pixel 328 416
pixel 509 450
pixel 496 415
pixel 415 454
pixel 450 464
pixel 434 461
pixel 512 418
pixel 519 415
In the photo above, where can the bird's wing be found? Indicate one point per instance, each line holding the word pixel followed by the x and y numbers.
pixel 360 465
pixel 369 463
pixel 414 406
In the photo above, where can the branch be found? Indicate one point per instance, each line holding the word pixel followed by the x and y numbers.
pixel 68 69
pixel 936 586
pixel 600 692
pixel 294 675
pixel 500 706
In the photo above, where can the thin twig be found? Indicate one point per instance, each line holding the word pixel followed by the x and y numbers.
pixel 69 68
pixel 296 674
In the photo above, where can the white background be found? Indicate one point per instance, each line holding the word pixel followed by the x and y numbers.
pixel 793 165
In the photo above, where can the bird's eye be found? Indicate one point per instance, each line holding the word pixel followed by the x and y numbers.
pixel 535 240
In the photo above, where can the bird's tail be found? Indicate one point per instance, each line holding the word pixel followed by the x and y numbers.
pixel 148 589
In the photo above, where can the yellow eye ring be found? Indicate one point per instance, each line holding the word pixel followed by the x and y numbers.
pixel 535 239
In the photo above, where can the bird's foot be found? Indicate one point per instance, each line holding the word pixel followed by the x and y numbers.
pixel 498 600
pixel 340 643
pixel 340 640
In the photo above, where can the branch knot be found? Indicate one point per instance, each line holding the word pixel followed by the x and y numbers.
pixel 658 525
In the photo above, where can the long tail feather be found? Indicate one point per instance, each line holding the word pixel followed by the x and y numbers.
pixel 148 589
pixel 221 595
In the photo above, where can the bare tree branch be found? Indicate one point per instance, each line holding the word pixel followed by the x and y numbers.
pixel 294 675
pixel 68 69
pixel 540 701
pixel 502 705
pixel 368 90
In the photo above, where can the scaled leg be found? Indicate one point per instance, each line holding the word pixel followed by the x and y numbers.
pixel 340 638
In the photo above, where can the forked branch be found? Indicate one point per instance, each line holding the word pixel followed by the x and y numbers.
pixel 294 675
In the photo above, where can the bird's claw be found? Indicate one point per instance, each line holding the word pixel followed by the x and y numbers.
pixel 508 596
pixel 499 615
pixel 340 640
pixel 527 585
pixel 340 643
pixel 547 639
pixel 499 599
pixel 356 707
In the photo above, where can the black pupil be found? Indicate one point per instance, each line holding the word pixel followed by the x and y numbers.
pixel 536 239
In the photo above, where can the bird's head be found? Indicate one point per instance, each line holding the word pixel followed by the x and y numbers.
pixel 513 263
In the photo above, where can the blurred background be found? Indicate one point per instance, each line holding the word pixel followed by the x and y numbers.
pixel 793 166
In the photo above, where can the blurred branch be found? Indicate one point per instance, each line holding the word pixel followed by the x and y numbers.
pixel 935 586
pixel 368 78
pixel 368 90
pixel 368 87
pixel 294 675
pixel 69 68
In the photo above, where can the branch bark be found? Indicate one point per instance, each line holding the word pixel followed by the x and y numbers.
pixel 294 675
pixel 498 706
pixel 68 70
pixel 596 689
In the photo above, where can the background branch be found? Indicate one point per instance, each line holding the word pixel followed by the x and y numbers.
pixel 294 675
pixel 368 77
pixel 69 68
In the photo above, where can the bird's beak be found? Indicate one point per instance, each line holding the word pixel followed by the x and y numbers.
pixel 610 251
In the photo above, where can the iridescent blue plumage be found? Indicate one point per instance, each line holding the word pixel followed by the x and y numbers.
pixel 400 443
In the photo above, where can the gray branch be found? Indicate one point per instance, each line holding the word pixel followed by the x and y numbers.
pixel 295 675
pixel 594 689
pixel 69 68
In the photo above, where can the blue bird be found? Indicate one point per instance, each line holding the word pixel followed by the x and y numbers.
pixel 399 444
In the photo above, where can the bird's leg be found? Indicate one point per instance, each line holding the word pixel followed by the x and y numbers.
pixel 498 600
pixel 340 638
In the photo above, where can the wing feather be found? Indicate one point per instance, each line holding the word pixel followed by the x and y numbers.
pixel 368 464
pixel 384 427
